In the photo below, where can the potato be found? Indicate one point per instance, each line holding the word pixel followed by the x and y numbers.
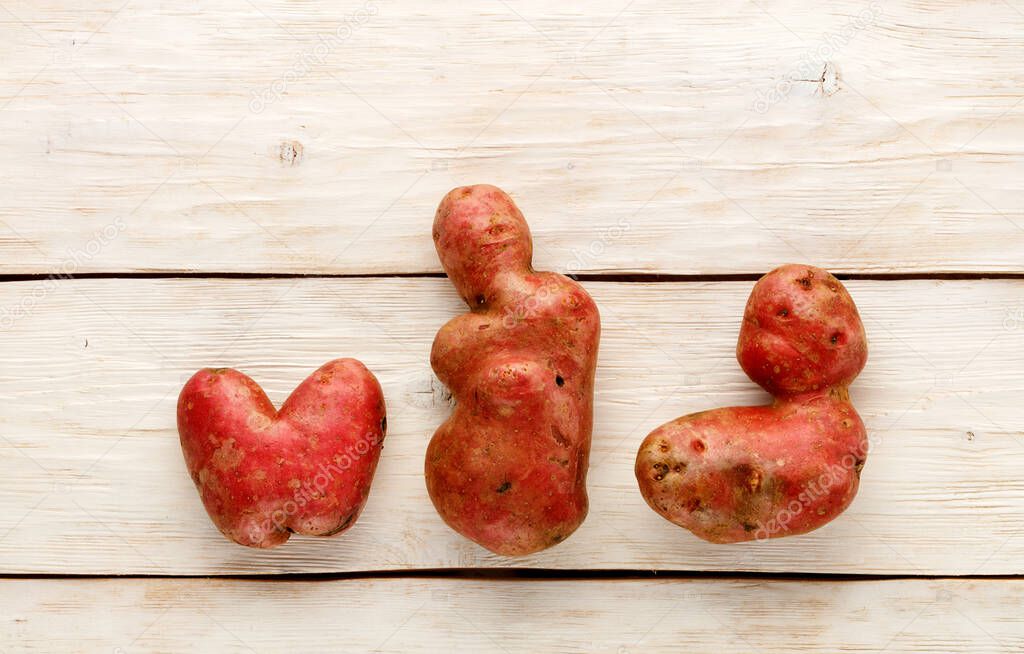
pixel 744 473
pixel 264 474
pixel 508 469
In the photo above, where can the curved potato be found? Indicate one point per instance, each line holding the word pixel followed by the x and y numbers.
pixel 745 473
pixel 508 468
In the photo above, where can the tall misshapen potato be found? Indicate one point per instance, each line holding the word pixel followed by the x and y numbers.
pixel 264 474
pixel 745 473
pixel 508 469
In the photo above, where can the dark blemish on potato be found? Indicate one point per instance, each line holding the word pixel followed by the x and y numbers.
pixel 698 446
pixel 481 299
pixel 559 381
pixel 783 313
pixel 749 476
pixel 836 338
pixel 749 527
pixel 693 504
pixel 557 538
pixel 663 446
pixel 484 326
pixel 847 423
pixel 384 424
pixel 858 466
pixel 559 437
pixel 660 470
pixel 841 393
pixel 679 467
pixel 805 282
pixel 504 487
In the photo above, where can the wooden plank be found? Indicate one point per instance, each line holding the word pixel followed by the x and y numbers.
pixel 701 137
pixel 94 480
pixel 431 615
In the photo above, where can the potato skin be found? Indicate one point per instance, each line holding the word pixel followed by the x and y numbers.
pixel 744 473
pixel 508 468
pixel 263 474
pixel 801 332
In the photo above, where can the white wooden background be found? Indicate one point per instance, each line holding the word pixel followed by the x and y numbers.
pixel 171 173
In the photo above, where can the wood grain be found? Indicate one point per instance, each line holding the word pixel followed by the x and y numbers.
pixel 690 138
pixel 430 615
pixel 94 480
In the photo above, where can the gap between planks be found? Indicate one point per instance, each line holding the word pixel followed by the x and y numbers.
pixel 639 278
pixel 529 574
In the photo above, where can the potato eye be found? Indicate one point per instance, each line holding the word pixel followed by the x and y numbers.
pixel 559 381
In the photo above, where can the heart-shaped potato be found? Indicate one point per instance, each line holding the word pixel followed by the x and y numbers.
pixel 264 474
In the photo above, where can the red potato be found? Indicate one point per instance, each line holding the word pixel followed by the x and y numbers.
pixel 264 474
pixel 744 473
pixel 508 469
